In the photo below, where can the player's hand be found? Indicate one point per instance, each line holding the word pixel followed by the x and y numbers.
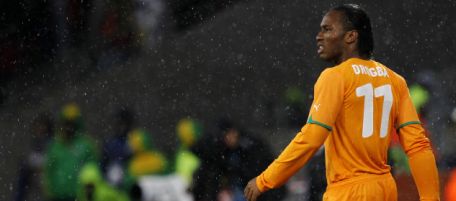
pixel 251 191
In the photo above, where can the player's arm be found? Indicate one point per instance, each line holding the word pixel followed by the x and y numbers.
pixel 421 160
pixel 293 157
pixel 328 99
pixel 418 149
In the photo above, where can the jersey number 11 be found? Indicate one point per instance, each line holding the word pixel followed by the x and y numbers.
pixel 369 92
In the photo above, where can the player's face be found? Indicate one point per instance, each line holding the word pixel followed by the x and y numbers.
pixel 330 39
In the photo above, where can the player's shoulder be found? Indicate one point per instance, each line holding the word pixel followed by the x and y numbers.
pixel 330 74
pixel 333 71
pixel 335 74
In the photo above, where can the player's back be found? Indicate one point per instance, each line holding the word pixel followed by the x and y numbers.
pixel 368 94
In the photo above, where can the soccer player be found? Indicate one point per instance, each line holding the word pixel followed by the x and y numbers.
pixel 358 104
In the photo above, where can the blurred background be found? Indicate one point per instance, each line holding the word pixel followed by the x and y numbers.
pixel 188 99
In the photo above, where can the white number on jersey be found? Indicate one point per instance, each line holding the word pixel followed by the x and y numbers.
pixel 369 92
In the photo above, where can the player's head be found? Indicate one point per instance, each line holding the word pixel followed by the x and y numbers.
pixel 345 32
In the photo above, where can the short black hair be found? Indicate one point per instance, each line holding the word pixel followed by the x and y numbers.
pixel 357 19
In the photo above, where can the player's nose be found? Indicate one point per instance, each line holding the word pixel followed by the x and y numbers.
pixel 319 36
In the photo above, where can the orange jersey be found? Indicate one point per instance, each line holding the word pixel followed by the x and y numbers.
pixel 357 107
pixel 362 102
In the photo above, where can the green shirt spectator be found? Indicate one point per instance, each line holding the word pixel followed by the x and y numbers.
pixel 67 153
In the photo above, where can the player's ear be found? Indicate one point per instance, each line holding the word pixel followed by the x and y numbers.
pixel 351 36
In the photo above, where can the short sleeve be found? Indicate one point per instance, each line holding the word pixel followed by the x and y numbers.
pixel 328 99
pixel 406 111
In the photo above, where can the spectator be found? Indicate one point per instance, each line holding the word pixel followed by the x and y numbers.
pixel 31 168
pixel 205 179
pixel 68 151
pixel 186 163
pixel 225 168
pixel 146 160
pixel 116 151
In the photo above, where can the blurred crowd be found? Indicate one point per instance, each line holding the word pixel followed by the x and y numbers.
pixel 66 163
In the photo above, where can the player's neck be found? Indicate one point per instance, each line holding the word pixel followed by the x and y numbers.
pixel 348 55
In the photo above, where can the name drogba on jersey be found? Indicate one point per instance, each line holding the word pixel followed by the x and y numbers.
pixel 373 72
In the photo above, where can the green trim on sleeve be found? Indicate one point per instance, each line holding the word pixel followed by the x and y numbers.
pixel 311 121
pixel 408 123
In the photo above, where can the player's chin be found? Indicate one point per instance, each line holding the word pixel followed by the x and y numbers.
pixel 323 56
pixel 326 57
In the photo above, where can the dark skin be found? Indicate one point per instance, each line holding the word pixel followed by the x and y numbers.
pixel 335 44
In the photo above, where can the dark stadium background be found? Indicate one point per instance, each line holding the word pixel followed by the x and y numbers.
pixel 208 59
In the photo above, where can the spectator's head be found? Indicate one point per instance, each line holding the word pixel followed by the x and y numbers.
pixel 124 121
pixel 146 159
pixel 42 126
pixel 345 31
pixel 230 133
pixel 70 121
pixel 231 138
pixel 139 141
pixel 188 131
